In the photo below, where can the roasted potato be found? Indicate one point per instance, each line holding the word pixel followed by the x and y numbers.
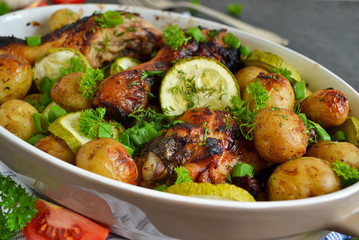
pixel 66 94
pixel 247 74
pixel 107 157
pixel 281 93
pixel 279 135
pixel 336 151
pixel 61 18
pixel 302 178
pixel 15 77
pixel 56 147
pixel 329 107
pixel 17 117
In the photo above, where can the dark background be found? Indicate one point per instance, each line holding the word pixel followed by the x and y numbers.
pixel 326 31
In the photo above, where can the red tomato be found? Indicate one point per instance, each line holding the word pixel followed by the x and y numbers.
pixel 67 1
pixel 53 222
pixel 39 3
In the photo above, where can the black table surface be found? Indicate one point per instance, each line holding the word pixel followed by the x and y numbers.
pixel 326 31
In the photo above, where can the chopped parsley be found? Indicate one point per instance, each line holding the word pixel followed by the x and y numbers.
pixel 92 123
pixel 182 175
pixel 174 37
pixel 349 175
pixel 89 82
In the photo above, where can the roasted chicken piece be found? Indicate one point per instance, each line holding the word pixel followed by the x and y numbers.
pixel 135 37
pixel 127 90
pixel 206 144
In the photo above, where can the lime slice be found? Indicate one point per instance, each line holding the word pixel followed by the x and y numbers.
pixel 47 108
pixel 211 191
pixel 123 63
pixel 270 61
pixel 197 82
pixel 351 128
pixel 67 128
pixel 50 63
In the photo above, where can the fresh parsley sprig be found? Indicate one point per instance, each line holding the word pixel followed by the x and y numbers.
pixel 92 123
pixel 17 207
pixel 89 82
pixel 182 175
pixel 174 36
pixel 348 175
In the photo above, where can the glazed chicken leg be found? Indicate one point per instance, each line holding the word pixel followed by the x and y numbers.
pixel 127 90
pixel 135 37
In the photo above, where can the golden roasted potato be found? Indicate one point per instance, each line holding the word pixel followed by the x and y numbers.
pixel 107 157
pixel 16 117
pixel 61 18
pixel 15 77
pixel 329 107
pixel 281 93
pixel 56 147
pixel 334 151
pixel 247 74
pixel 279 135
pixel 66 94
pixel 302 178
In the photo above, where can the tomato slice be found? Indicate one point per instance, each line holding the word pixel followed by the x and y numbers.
pixel 67 1
pixel 53 222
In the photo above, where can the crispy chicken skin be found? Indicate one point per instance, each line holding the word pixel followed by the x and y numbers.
pixel 206 144
pixel 136 37
pixel 127 90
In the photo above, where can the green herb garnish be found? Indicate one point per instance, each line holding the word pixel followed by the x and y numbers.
pixel 182 175
pixel 231 40
pixel 174 37
pixel 92 123
pixel 349 175
pixel 109 19
pixel 196 34
pixel 89 82
pixel 234 9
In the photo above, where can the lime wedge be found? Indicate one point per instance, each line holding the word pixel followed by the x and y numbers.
pixel 67 127
pixel 197 82
pixel 211 191
pixel 270 61
pixel 50 63
pixel 350 127
pixel 123 63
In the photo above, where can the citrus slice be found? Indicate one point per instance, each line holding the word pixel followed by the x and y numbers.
pixel 197 82
pixel 53 60
pixel 270 61
pixel 123 63
pixel 351 128
pixel 211 191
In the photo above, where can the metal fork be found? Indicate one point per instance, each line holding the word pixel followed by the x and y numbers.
pixel 165 4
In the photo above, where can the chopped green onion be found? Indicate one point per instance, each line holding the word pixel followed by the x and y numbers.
pixel 130 150
pixel 45 85
pixel 340 136
pixel 124 138
pixel 104 131
pixel 245 51
pixel 234 9
pixel 324 136
pixel 33 41
pixel 4 8
pixel 143 134
pixel 196 33
pixel 41 122
pixel 45 99
pixel 36 105
pixel 299 90
pixel 243 169
pixel 232 40
pixel 303 117
pixel 35 138
pixel 55 112
pixel 161 187
pixel 113 18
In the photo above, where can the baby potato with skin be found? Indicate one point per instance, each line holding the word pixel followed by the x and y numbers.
pixel 15 77
pixel 56 147
pixel 61 18
pixel 109 158
pixel 66 94
pixel 302 178
pixel 281 93
pixel 17 117
pixel 279 135
pixel 247 74
pixel 328 107
pixel 336 151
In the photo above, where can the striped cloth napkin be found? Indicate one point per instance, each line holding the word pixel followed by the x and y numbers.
pixel 131 223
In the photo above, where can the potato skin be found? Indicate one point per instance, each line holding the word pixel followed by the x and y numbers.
pixel 329 107
pixel 56 147
pixel 107 157
pixel 66 94
pixel 16 117
pixel 279 135
pixel 302 178
pixel 334 151
pixel 61 18
pixel 15 77
pixel 281 93
pixel 247 74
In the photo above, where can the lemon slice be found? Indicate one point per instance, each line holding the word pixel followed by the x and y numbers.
pixel 268 61
pixel 67 128
pixel 211 191
pixel 50 63
pixel 197 82
pixel 351 128
pixel 123 63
